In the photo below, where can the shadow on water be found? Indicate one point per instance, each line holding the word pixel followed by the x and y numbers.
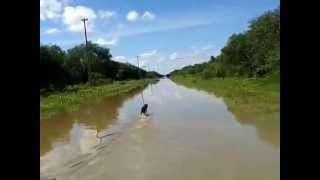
pixel 97 116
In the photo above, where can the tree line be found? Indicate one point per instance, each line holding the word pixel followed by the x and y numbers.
pixel 253 53
pixel 94 65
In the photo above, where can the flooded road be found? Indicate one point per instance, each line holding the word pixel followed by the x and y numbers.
pixel 188 135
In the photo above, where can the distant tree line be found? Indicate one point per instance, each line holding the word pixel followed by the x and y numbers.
pixel 253 53
pixel 59 68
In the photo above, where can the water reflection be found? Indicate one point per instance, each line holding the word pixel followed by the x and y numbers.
pixel 81 141
pixel 189 135
pixel 98 116
pixel 268 129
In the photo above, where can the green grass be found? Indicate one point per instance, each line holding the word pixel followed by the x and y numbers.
pixel 70 101
pixel 248 99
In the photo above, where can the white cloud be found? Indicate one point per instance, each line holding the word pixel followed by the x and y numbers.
pixel 106 14
pixel 72 18
pixel 120 59
pixel 149 54
pixel 148 16
pixel 173 56
pixel 165 63
pixel 50 9
pixel 151 58
pixel 52 31
pixel 106 42
pixel 132 16
pixel 204 52
pixel 208 47
pixel 127 59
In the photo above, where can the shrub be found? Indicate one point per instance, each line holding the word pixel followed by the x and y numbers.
pixel 104 81
pixel 207 73
pixel 71 88
pixel 95 78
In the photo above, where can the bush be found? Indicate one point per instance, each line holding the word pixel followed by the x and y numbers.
pixel 221 73
pixel 51 88
pixel 71 88
pixel 95 78
pixel 104 81
pixel 207 73
pixel 272 61
pixel 44 92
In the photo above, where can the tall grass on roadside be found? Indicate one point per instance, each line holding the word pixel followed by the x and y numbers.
pixel 69 100
pixel 250 98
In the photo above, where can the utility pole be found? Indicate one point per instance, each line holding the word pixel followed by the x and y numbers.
pixel 85 29
pixel 86 53
pixel 138 61
pixel 138 66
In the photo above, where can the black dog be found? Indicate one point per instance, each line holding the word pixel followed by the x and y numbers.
pixel 144 109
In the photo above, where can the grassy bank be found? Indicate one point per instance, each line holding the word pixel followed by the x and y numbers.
pixel 248 99
pixel 70 100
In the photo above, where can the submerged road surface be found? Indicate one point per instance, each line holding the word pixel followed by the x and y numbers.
pixel 188 135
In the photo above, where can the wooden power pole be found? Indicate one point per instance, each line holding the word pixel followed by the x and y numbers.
pixel 86 53
pixel 85 29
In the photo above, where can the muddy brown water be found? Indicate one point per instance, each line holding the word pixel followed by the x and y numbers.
pixel 189 134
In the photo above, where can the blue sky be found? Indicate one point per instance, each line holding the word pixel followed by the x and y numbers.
pixel 166 34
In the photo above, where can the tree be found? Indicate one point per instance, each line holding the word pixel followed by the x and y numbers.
pixel 212 59
pixel 255 52
pixel 264 34
pixel 52 72
pixel 59 68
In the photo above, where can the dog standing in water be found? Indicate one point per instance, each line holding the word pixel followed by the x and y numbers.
pixel 144 109
pixel 143 117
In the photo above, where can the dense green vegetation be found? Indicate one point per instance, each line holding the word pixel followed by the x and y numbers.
pixel 250 99
pixel 253 53
pixel 59 68
pixel 246 73
pixel 69 78
pixel 72 97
